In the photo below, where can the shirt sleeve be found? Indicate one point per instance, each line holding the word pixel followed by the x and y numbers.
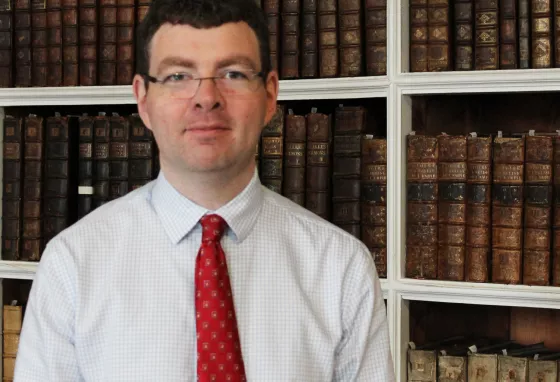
pixel 364 353
pixel 46 347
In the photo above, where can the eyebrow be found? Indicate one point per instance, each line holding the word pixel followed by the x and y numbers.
pixel 186 63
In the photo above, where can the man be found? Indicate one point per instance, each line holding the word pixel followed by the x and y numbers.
pixel 138 290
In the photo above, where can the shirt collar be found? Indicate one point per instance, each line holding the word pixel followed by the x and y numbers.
pixel 179 215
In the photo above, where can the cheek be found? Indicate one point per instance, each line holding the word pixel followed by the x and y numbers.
pixel 166 118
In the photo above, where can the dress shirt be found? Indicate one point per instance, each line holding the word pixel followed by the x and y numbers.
pixel 113 296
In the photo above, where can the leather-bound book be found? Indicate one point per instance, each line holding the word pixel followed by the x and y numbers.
pixel 107 42
pixel 39 49
pixel 118 156
pixel 88 37
pixel 272 151
pixel 376 37
pixel 557 33
pixel 328 38
pixel 507 209
pixel 487 38
pixel 101 164
pixel 125 41
pixel 556 216
pixel 70 51
pixel 12 165
pixel 309 40
pixel 11 330
pixel 54 43
pixel 318 164
pixel 374 200
pixel 422 360
pixel 141 153
pixel 508 34
pixel 422 207
pixel 289 68
pixel 479 185
pixel 6 43
pixel 61 173
pixel 350 37
pixel 524 27
pixel 142 7
pixel 294 158
pixel 272 11
pixel 452 184
pixel 349 125
pixel 439 36
pixel 22 43
pixel 418 35
pixel 541 34
pixel 33 172
pixel 543 370
pixel 464 27
pixel 85 165
pixel 538 202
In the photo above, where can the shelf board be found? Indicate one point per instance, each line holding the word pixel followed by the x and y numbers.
pixel 481 81
pixel 480 293
pixel 23 270
pixel 321 88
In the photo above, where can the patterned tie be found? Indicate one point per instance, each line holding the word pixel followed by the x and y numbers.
pixel 219 352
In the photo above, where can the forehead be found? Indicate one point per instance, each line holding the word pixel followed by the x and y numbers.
pixel 204 47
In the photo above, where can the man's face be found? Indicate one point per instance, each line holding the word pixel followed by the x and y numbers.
pixel 218 128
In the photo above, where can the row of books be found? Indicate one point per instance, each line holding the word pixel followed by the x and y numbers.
pixel 484 34
pixel 332 168
pixel 327 38
pixel 484 208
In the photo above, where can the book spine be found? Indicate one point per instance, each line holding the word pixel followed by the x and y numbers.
pixel 524 26
pixel 556 33
pixel 101 139
pixel 376 37
pixel 22 43
pixel 439 36
pixel 482 367
pixel 350 37
pixel 54 42
pixel 294 158
pixel 272 145
pixel 118 156
pixel 6 43
pixel 88 38
pixel 309 40
pixel 556 217
pixel 464 26
pixel 125 41
pixel 487 48
pixel 85 166
pixel 318 164
pixel 272 11
pixel 418 35
pixel 541 34
pixel 508 34
pixel 328 38
pixel 70 51
pixel 290 39
pixel 141 153
pixel 107 42
pixel 39 49
pixel 11 330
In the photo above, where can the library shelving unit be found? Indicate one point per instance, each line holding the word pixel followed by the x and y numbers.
pixel 397 87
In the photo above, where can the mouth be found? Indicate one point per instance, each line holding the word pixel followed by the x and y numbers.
pixel 207 130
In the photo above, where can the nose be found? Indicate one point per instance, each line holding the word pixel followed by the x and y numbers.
pixel 207 96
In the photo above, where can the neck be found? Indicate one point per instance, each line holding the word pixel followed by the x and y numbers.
pixel 209 190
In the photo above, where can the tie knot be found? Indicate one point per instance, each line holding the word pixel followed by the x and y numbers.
pixel 212 227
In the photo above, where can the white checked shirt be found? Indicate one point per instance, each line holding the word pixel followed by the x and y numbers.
pixel 113 297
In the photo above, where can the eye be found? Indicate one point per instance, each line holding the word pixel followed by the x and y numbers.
pixel 177 77
pixel 236 75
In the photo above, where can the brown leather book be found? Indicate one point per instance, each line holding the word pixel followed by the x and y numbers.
pixel 88 37
pixel 524 27
pixel 376 37
pixel 39 48
pixel 487 48
pixel 557 33
pixel 422 207
pixel 70 54
pixel 482 367
pixel 349 125
pixel 54 43
pixel 11 330
pixel 12 166
pixel 101 139
pixel 125 41
pixel 418 35
pixel 290 39
pixel 464 26
pixel 6 43
pixel 452 368
pixel 85 166
pixel 543 370
pixel 439 36
pixel 422 365
pixel 33 172
pixel 509 366
pixel 309 40
pixel 556 221
pixel 374 200
pixel 350 15
pixel 294 158
pixel 508 34
pixel 272 11
pixel 142 7
pixel 507 209
pixel 118 156
pixel 107 42
pixel 318 164
pixel 328 38
pixel 538 201
pixel 479 184
pixel 541 34
pixel 452 184
pixel 22 43
pixel 272 151
pixel 141 153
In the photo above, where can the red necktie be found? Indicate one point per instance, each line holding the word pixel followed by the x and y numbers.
pixel 218 349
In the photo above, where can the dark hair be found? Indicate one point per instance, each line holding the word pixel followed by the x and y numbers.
pixel 201 14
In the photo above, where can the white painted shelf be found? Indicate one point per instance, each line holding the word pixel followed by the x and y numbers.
pixel 17 270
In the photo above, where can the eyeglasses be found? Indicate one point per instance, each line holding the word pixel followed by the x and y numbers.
pixel 184 85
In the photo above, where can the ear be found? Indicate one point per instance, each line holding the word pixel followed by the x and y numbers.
pixel 271 88
pixel 141 95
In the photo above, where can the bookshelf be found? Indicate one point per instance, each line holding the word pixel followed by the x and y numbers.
pixel 397 87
